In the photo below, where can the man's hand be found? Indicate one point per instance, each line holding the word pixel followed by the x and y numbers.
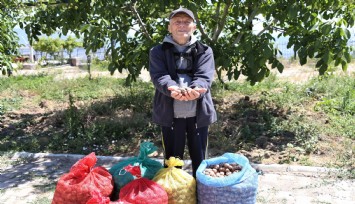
pixel 185 94
pixel 176 93
pixel 193 94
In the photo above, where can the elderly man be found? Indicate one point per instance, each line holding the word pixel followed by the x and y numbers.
pixel 182 71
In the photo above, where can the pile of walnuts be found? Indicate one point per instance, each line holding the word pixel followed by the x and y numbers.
pixel 222 169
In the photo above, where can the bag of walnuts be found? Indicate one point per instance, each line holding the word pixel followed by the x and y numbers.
pixel 226 179
pixel 77 186
pixel 142 190
pixel 180 185
pixel 98 198
pixel 149 168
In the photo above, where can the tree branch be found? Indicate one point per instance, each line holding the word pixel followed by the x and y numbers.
pixel 203 33
pixel 278 29
pixel 268 27
pixel 250 19
pixel 34 4
pixel 217 16
pixel 140 22
pixel 221 22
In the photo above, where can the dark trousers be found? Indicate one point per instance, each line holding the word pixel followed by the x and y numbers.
pixel 174 141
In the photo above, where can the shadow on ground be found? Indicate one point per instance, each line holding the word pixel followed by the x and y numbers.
pixel 29 174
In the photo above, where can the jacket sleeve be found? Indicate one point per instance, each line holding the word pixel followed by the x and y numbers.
pixel 158 71
pixel 205 70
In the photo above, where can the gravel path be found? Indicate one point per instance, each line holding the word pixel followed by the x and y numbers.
pixel 31 178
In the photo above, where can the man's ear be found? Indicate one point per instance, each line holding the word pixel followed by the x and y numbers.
pixel 195 27
pixel 169 29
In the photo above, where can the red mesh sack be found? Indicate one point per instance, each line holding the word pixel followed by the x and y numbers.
pixel 97 198
pixel 142 190
pixel 76 187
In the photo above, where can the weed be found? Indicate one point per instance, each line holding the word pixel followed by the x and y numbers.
pixel 43 200
pixel 99 65
pixel 107 116
pixel 10 103
pixel 304 133
pixel 345 158
pixel 2 111
pixel 73 119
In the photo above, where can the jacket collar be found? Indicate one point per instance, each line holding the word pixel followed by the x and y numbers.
pixel 199 47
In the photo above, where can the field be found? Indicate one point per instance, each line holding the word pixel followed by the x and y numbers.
pixel 296 117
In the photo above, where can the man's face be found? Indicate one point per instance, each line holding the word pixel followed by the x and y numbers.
pixel 181 27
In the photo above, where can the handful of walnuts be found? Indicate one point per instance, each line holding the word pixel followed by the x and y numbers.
pixel 183 90
pixel 222 169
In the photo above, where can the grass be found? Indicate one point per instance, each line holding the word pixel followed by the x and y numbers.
pixel 5 159
pixel 284 122
pixel 43 200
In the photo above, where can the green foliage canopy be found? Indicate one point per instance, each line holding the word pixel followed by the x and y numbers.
pixel 70 43
pixel 316 29
pixel 48 45
pixel 8 39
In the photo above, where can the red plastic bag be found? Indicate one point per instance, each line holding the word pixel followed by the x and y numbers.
pixel 77 186
pixel 142 190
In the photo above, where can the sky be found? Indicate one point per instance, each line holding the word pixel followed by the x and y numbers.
pixel 23 40
pixel 281 42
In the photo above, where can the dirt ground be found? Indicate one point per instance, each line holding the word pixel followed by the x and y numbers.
pixel 32 179
pixel 292 73
pixel 29 178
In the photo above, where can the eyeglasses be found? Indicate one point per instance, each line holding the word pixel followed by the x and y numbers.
pixel 185 23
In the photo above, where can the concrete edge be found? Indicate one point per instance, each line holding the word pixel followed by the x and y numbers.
pixel 263 167
pixel 294 168
pixel 29 155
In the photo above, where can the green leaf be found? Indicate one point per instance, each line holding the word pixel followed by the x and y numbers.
pixel 342 33
pixel 267 73
pixel 280 67
pixel 303 60
pixel 323 69
pixel 311 51
pixel 65 30
pixel 219 72
pixel 337 62
pixel 296 47
pixel 261 74
pixel 303 56
pixel 319 63
pixel 347 57
pixel 85 27
pixel 292 11
pixel 344 65
pixel 274 64
pixel 236 74
pixel 348 34
pixel 267 51
pixel 229 75
pixel 326 28
pixel 327 57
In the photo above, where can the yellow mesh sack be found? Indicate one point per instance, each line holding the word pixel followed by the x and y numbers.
pixel 180 185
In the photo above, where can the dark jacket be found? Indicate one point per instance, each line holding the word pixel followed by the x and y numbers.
pixel 162 72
